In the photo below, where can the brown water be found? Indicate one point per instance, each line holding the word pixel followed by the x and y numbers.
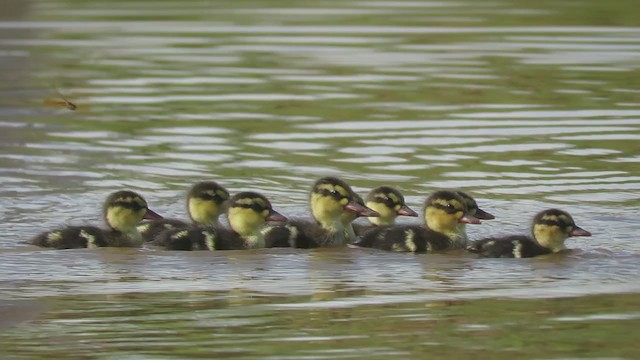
pixel 526 105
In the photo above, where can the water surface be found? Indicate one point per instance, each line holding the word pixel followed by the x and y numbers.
pixel 524 105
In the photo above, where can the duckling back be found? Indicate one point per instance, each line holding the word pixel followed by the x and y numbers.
pixel 302 234
pixel 405 238
pixel 149 230
pixel 515 246
pixel 72 237
pixel 194 238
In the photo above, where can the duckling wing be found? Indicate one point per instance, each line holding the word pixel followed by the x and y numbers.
pixel 516 246
pixel 72 237
pixel 294 233
pixel 189 239
pixel 408 238
pixel 150 229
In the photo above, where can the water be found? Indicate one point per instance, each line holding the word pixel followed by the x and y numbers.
pixel 524 105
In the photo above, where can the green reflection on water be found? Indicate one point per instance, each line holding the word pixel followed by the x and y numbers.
pixel 245 325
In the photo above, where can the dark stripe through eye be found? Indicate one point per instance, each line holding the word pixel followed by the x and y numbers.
pixel 386 201
pixel 449 209
pixel 254 206
pixel 554 223
pixel 209 197
pixel 334 194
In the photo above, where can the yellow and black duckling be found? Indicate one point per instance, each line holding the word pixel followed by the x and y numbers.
pixel 330 199
pixel 123 210
pixel 549 231
pixel 247 212
pixel 389 203
pixel 443 211
pixel 205 202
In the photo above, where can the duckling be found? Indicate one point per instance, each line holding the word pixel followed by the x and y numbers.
pixel 247 212
pixel 443 211
pixel 204 204
pixel 330 198
pixel 550 229
pixel 122 210
pixel 389 203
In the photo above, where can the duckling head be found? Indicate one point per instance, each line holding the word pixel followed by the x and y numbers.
pixel 552 227
pixel 248 211
pixel 389 203
pixel 330 198
pixel 444 210
pixel 472 207
pixel 205 202
pixel 123 210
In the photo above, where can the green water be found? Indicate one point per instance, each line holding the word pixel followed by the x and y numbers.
pixel 526 105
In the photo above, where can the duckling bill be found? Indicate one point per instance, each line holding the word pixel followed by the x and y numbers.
pixel 247 213
pixel 443 211
pixel 122 211
pixel 550 229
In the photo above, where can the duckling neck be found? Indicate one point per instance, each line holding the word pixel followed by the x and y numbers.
pixel 549 237
pixel 456 233
pixel 350 233
pixel 461 231
pixel 248 231
pixel 331 224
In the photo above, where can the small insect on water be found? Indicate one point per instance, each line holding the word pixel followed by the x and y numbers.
pixel 64 102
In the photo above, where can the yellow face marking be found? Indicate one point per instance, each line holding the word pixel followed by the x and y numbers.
pixel 393 198
pixel 265 213
pixel 204 211
pixel 342 191
pixel 244 221
pixel 326 210
pixel 443 222
pixel 550 236
pixel 245 201
pixel 223 195
pixel 397 207
pixel 260 201
pixel 124 219
pixel 387 215
pixel 550 217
